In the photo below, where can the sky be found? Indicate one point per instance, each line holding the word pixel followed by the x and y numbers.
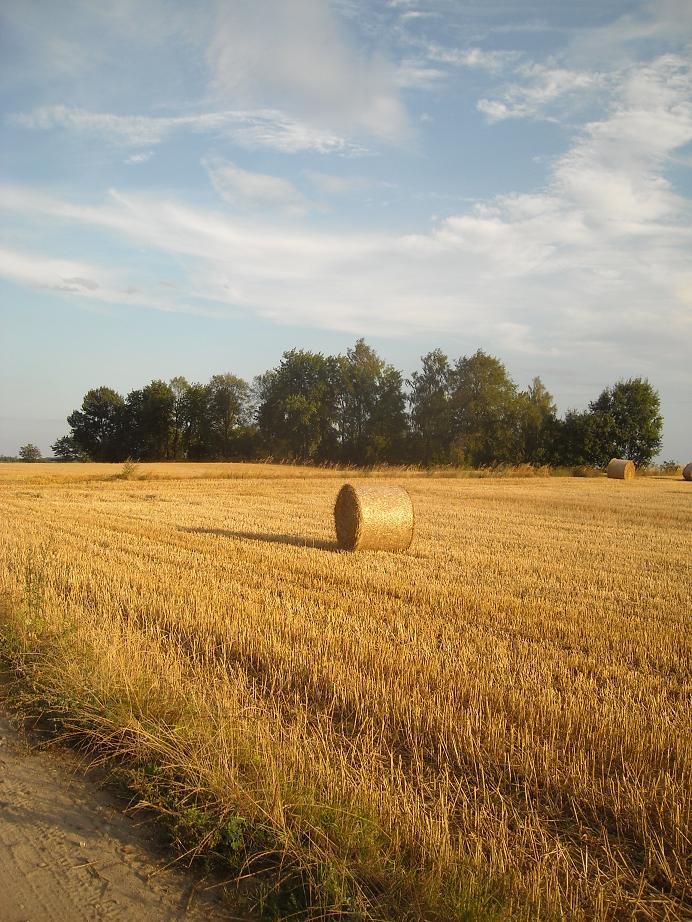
pixel 194 188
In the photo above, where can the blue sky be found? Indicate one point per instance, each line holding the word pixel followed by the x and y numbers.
pixel 192 188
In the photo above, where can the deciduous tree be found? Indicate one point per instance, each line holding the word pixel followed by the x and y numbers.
pixel 483 403
pixel 30 452
pixel 628 422
pixel 297 406
pixel 430 400
pixel 227 404
pixel 97 428
pixel 371 407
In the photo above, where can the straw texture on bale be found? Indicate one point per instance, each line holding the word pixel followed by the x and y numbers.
pixel 687 471
pixel 619 469
pixel 376 517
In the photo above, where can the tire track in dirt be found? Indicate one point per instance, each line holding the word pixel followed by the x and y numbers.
pixel 68 854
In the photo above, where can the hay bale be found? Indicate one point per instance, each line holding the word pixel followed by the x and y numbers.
pixel 373 516
pixel 619 469
pixel 687 471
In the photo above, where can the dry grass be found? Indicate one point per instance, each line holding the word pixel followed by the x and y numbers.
pixel 495 724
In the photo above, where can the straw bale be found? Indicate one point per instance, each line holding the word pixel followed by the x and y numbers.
pixel 620 469
pixel 687 471
pixel 373 516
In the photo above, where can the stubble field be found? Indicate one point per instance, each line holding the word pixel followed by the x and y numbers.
pixel 495 724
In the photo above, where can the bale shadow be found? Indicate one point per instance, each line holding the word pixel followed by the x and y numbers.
pixel 268 537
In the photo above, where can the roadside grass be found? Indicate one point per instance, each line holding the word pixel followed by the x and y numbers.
pixel 294 853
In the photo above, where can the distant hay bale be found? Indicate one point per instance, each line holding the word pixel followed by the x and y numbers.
pixel 619 469
pixel 374 517
pixel 687 471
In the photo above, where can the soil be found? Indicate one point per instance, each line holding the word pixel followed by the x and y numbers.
pixel 70 853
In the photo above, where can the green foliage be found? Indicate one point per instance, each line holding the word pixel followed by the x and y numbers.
pixel 98 428
pixel 227 410
pixel 352 409
pixel 483 407
pixel 669 467
pixel 297 406
pixel 535 413
pixel 430 399
pixel 66 449
pixel 192 416
pixel 30 452
pixel 371 407
pixel 628 422
pixel 623 422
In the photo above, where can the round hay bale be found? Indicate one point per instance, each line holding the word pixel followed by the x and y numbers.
pixel 374 517
pixel 687 471
pixel 619 469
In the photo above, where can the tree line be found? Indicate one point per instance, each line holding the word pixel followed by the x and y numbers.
pixel 358 409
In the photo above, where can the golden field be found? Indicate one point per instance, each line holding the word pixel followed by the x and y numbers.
pixel 494 724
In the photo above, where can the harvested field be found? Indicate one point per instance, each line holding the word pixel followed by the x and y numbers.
pixel 493 724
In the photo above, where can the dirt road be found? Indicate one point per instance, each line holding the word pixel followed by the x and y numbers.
pixel 69 854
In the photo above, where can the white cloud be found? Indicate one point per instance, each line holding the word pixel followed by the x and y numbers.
pixel 331 184
pixel 615 169
pixel 142 157
pixel 272 129
pixel 542 86
pixel 45 272
pixel 247 189
pixel 415 74
pixel 298 54
pixel 85 281
pixel 592 67
pixel 248 128
pixel 664 23
pixel 473 58
pixel 597 260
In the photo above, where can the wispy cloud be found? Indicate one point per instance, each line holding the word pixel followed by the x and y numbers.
pixel 633 35
pixel 539 88
pixel 418 74
pixel 86 281
pixel 474 58
pixel 142 157
pixel 248 128
pixel 249 190
pixel 46 272
pixel 603 248
pixel 338 184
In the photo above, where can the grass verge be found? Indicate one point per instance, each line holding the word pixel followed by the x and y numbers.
pixel 293 852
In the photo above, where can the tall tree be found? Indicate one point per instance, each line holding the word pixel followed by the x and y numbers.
pixel 535 416
pixel 179 388
pixel 149 422
pixel 296 406
pixel 628 422
pixel 227 403
pixel 30 452
pixel 97 429
pixel 388 427
pixel 159 401
pixel 431 408
pixel 371 407
pixel 483 403
pixel 66 449
pixel 576 439
pixel 194 420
